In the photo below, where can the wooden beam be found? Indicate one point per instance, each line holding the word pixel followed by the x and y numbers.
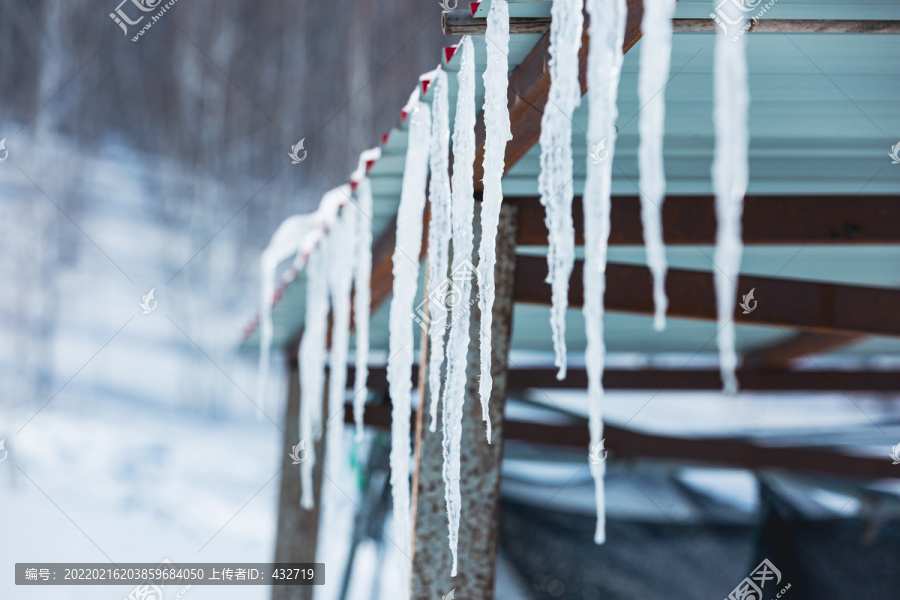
pixel 691 220
pixel 780 355
pixel 758 380
pixel 461 22
pixel 529 86
pixel 805 305
pixel 726 452
pixel 480 462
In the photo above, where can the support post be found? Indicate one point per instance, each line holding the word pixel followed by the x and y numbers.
pixel 480 463
pixel 298 529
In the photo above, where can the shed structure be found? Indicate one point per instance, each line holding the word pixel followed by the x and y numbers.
pixel 821 229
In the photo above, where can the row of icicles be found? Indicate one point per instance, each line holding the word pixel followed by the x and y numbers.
pixel 333 244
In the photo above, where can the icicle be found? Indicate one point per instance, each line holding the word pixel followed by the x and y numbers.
pixel 604 66
pixel 656 51
pixel 361 285
pixel 312 364
pixel 729 175
pixel 282 246
pixel 438 237
pixel 340 278
pixel 463 215
pixel 406 274
pixel 555 180
pixel 497 134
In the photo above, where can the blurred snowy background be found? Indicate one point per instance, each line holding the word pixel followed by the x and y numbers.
pixel 162 164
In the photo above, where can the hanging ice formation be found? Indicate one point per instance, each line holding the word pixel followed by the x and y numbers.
pixel 438 237
pixel 656 50
pixel 315 252
pixel 311 355
pixel 340 280
pixel 730 176
pixel 555 180
pixel 607 18
pixel 463 215
pixel 361 283
pixel 283 245
pixel 497 134
pixel 406 273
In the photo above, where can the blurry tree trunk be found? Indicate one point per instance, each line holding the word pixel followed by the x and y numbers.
pixel 479 462
pixel 298 529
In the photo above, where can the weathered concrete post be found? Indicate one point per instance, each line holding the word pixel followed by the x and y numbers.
pixel 298 529
pixel 480 462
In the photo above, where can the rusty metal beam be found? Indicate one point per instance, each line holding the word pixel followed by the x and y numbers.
pixel 461 22
pixel 297 533
pixel 838 219
pixel 727 452
pixel 529 86
pixel 780 355
pixel 805 305
pixel 480 462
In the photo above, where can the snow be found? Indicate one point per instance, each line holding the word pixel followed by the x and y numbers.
pixel 729 175
pixel 438 237
pixel 362 290
pixel 656 51
pixel 311 356
pixel 406 273
pixel 463 214
pixel 141 480
pixel 555 180
pixel 604 66
pixel 284 244
pixel 497 134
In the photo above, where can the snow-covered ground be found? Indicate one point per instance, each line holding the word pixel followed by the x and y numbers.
pixel 105 481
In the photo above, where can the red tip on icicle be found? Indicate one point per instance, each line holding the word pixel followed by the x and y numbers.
pixel 369 164
pixel 353 184
pixel 425 84
pixel 384 138
pixel 473 6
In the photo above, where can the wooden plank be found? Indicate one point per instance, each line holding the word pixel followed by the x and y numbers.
pixel 805 305
pixel 529 86
pixel 691 220
pixel 480 462
pixel 780 355
pixel 814 380
pixel 725 452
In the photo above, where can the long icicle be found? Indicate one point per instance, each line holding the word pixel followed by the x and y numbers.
pixel 311 355
pixel 340 275
pixel 283 245
pixel 555 180
pixel 497 134
pixel 463 215
pixel 656 51
pixel 362 293
pixel 406 275
pixel 730 176
pixel 604 67
pixel 438 238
